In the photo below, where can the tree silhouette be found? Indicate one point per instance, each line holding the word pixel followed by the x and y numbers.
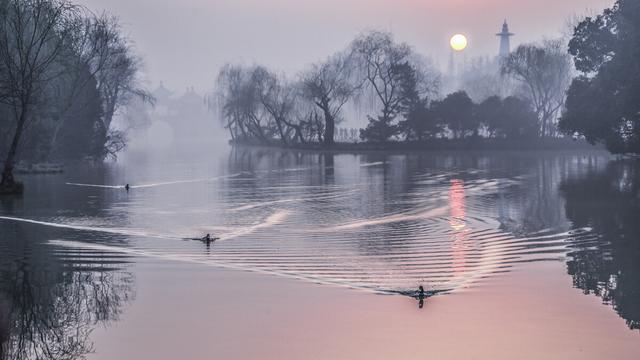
pixel 33 39
pixel 603 104
pixel 419 121
pixel 329 86
pixel 456 112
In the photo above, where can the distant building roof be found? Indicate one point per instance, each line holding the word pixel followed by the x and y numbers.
pixel 161 93
pixel 191 97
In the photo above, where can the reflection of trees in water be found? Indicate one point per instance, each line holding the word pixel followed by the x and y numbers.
pixel 52 314
pixel 251 159
pixel 609 203
pixel 543 208
pixel 49 305
pixel 4 325
pixel 534 205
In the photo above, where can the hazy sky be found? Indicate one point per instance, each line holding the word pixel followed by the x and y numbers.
pixel 184 42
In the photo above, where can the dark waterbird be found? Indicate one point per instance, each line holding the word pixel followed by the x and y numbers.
pixel 421 294
pixel 207 239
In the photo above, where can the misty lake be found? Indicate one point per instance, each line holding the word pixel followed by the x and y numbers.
pixel 524 254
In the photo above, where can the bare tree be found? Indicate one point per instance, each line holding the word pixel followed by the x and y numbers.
pixel 277 98
pixel 33 37
pixel 380 60
pixel 545 71
pixel 67 54
pixel 329 86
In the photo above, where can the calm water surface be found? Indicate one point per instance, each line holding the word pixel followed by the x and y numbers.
pixel 75 249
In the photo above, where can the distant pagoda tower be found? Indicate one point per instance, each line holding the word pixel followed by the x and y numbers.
pixel 505 43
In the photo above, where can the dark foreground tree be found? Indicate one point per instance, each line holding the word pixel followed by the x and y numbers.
pixel 33 38
pixel 603 104
pixel 64 74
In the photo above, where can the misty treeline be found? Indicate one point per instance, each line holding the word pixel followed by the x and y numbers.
pixel 259 105
pixel 64 74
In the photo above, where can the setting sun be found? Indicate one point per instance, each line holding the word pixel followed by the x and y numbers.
pixel 458 42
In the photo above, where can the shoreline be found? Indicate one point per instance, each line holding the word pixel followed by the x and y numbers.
pixel 434 145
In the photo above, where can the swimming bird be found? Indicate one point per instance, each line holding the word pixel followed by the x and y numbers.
pixel 421 296
pixel 207 239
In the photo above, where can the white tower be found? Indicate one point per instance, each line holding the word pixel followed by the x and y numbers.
pixel 505 43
